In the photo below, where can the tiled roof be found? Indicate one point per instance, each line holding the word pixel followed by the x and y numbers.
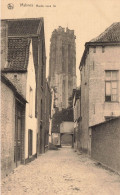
pixel 18 53
pixel 23 27
pixel 111 34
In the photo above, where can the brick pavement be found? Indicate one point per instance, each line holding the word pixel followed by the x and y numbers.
pixel 62 172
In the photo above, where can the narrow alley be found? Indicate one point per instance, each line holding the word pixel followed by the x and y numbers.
pixel 62 172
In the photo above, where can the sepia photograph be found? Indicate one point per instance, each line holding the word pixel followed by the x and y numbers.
pixel 60 97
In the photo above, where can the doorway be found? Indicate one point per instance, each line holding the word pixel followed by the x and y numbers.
pixel 66 139
pixel 18 134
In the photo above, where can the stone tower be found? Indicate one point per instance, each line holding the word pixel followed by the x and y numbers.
pixel 62 65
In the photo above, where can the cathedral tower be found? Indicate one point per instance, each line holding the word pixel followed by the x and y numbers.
pixel 62 65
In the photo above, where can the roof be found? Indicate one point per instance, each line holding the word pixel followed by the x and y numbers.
pixel 104 122
pixel 111 34
pixel 18 54
pixel 20 32
pixel 6 81
pixel 21 27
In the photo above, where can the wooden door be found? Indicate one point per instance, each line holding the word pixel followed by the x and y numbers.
pixel 18 135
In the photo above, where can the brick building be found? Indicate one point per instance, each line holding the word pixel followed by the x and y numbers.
pixel 12 127
pixel 33 30
pixel 24 64
pixel 100 76
pixel 62 65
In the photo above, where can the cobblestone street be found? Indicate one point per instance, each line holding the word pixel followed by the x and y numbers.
pixel 62 172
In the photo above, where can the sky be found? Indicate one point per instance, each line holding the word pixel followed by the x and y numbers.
pixel 88 19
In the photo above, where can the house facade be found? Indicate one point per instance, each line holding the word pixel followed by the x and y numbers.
pixel 31 120
pixel 100 76
pixel 23 64
pixel 21 73
pixel 12 127
pixel 30 32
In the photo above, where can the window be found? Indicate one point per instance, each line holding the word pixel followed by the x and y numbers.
pixel 93 65
pixel 94 50
pixel 111 86
pixel 36 101
pixel 70 59
pixel 63 58
pixel 30 101
pixel 30 138
pixel 103 49
pixel 42 72
pixel 43 62
pixel 41 110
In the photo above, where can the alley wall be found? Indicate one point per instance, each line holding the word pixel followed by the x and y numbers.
pixel 7 129
pixel 105 144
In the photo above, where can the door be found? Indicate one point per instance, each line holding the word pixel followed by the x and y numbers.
pixel 18 135
pixel 30 140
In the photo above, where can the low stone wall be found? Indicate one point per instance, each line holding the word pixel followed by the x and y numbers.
pixel 105 143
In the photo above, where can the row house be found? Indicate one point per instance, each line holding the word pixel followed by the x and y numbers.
pixel 76 115
pixel 100 82
pixel 23 63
